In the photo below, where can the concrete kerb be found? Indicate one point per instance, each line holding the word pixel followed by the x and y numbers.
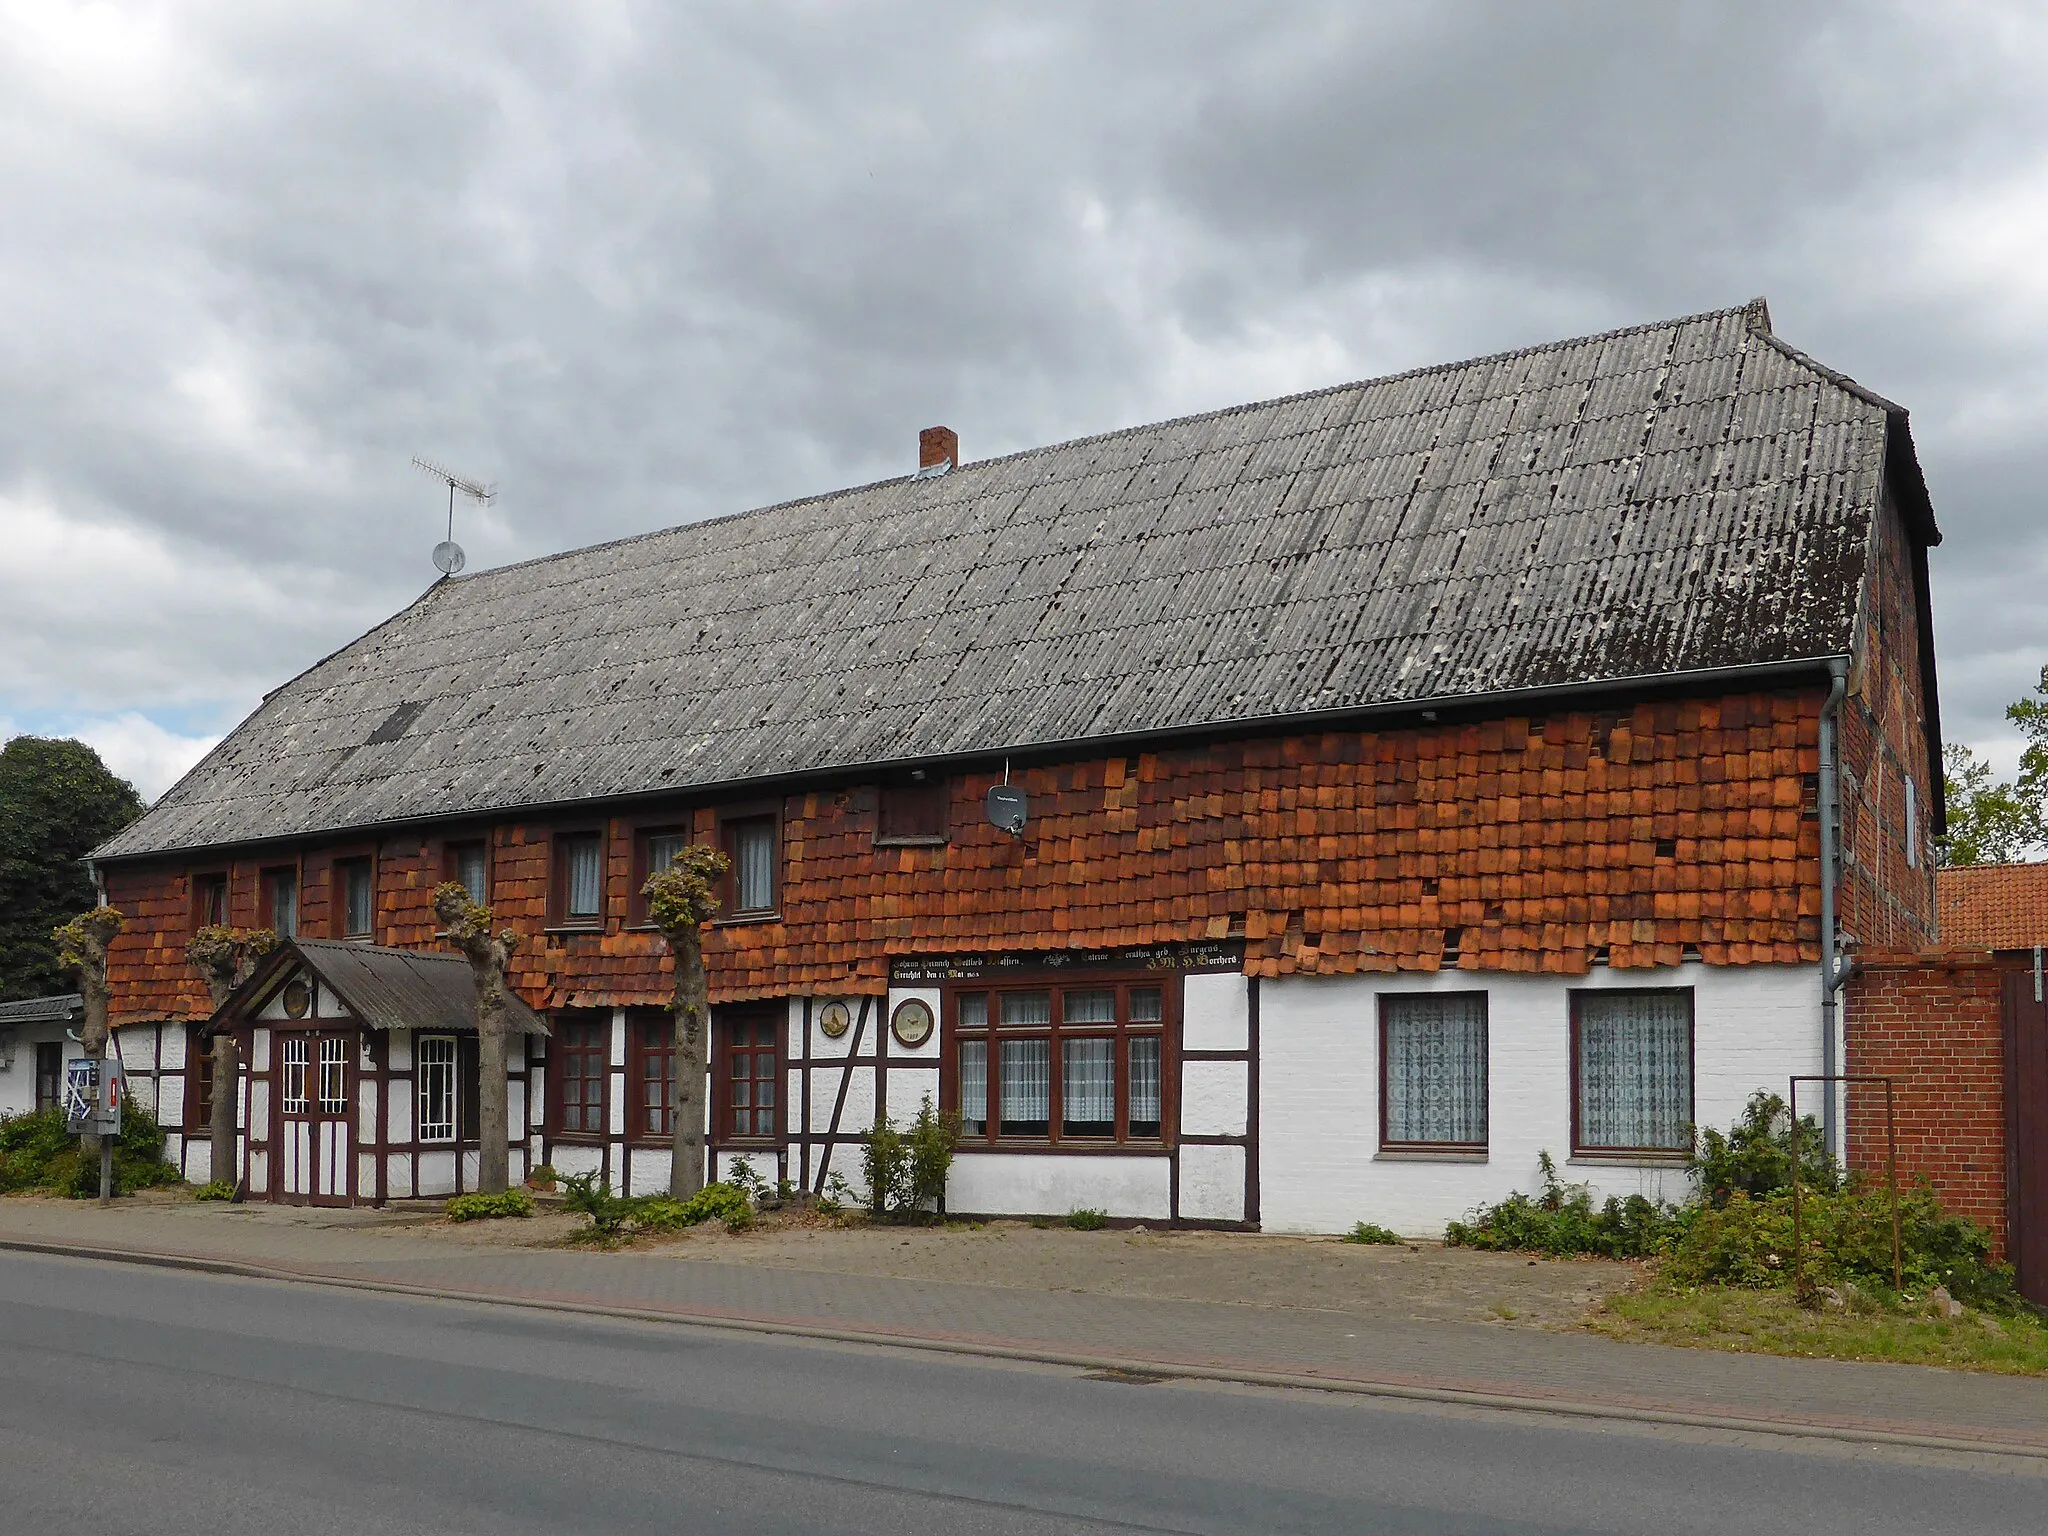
pixel 1175 1370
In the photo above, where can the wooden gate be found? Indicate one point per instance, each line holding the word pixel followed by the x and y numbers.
pixel 2026 1142
pixel 315 1099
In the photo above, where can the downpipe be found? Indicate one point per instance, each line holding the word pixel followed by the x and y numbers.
pixel 1833 974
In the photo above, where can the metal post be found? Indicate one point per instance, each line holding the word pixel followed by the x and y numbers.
pixel 1798 1247
pixel 106 1170
pixel 1891 1173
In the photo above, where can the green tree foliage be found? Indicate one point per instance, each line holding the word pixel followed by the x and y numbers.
pixel 1990 821
pixel 58 802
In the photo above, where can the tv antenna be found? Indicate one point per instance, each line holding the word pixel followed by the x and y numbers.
pixel 448 556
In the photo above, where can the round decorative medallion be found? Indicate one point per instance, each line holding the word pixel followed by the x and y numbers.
pixel 911 1023
pixel 298 997
pixel 834 1019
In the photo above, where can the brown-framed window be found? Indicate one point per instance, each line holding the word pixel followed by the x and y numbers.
pixel 210 900
pixel 1433 1078
pixel 579 1061
pixel 912 810
pixel 753 843
pixel 280 900
pixel 198 1080
pixel 1074 1063
pixel 747 1072
pixel 1632 1071
pixel 436 1064
pixel 49 1073
pixel 468 864
pixel 651 1072
pixel 355 898
pixel 578 884
pixel 655 849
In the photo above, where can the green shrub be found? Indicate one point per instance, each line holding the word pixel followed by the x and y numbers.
pixel 836 1195
pixel 1088 1219
pixel 1847 1237
pixel 543 1178
pixel 727 1203
pixel 1562 1222
pixel 219 1189
pixel 906 1169
pixel 1755 1157
pixel 36 1152
pixel 588 1195
pixel 514 1202
pixel 612 1216
pixel 1372 1232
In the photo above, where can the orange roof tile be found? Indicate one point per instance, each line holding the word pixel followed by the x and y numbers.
pixel 1993 906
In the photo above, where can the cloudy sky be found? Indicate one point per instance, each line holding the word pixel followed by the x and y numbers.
pixel 640 264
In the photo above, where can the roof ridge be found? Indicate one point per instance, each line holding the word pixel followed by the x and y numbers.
pixel 1750 310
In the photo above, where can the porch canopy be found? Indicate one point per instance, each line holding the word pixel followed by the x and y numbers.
pixel 383 988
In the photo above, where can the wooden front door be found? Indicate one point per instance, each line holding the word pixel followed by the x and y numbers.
pixel 2026 1047
pixel 315 1101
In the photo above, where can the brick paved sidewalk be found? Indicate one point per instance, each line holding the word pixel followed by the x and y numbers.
pixel 1570 1372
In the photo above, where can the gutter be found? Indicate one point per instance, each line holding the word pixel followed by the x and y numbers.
pixel 1834 973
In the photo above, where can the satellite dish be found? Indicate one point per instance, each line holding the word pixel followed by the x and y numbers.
pixel 1007 810
pixel 448 557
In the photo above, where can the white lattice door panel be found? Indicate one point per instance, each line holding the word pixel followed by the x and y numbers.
pixel 315 1095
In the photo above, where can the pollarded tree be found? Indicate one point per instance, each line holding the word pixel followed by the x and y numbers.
pixel 224 957
pixel 681 900
pixel 467 926
pixel 82 946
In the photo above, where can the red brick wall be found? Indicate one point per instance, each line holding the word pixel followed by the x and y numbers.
pixel 1933 1022
pixel 1887 902
pixel 1675 825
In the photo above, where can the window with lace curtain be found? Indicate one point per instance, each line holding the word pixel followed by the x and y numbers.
pixel 1076 1064
pixel 1632 1072
pixel 1433 1072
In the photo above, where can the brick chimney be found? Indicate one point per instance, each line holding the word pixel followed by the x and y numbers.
pixel 937 445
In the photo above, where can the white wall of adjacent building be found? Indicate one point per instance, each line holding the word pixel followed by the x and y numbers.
pixel 1320 1158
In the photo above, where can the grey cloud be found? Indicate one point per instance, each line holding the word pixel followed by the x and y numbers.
pixel 642 264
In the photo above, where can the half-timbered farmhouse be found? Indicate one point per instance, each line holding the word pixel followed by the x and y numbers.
pixel 1419 775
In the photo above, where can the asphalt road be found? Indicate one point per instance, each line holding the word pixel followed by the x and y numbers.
pixel 135 1399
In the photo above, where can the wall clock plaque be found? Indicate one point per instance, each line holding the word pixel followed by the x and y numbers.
pixel 833 1020
pixel 911 1023
pixel 298 997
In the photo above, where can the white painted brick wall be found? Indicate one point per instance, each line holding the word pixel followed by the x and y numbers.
pixel 1319 1087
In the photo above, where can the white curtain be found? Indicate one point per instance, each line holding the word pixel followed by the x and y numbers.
pixel 1088 1085
pixel 1144 1108
pixel 586 878
pixel 974 1086
pixel 1635 1070
pixel 1090 1007
pixel 469 870
pixel 1145 1005
pixel 1436 1069
pixel 754 867
pixel 1026 1009
pixel 1026 1086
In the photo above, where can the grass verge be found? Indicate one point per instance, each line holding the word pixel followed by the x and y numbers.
pixel 1770 1322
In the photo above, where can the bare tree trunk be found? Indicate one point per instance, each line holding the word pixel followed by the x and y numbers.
pixel 468 927
pixel 82 945
pixel 692 1029
pixel 493 1158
